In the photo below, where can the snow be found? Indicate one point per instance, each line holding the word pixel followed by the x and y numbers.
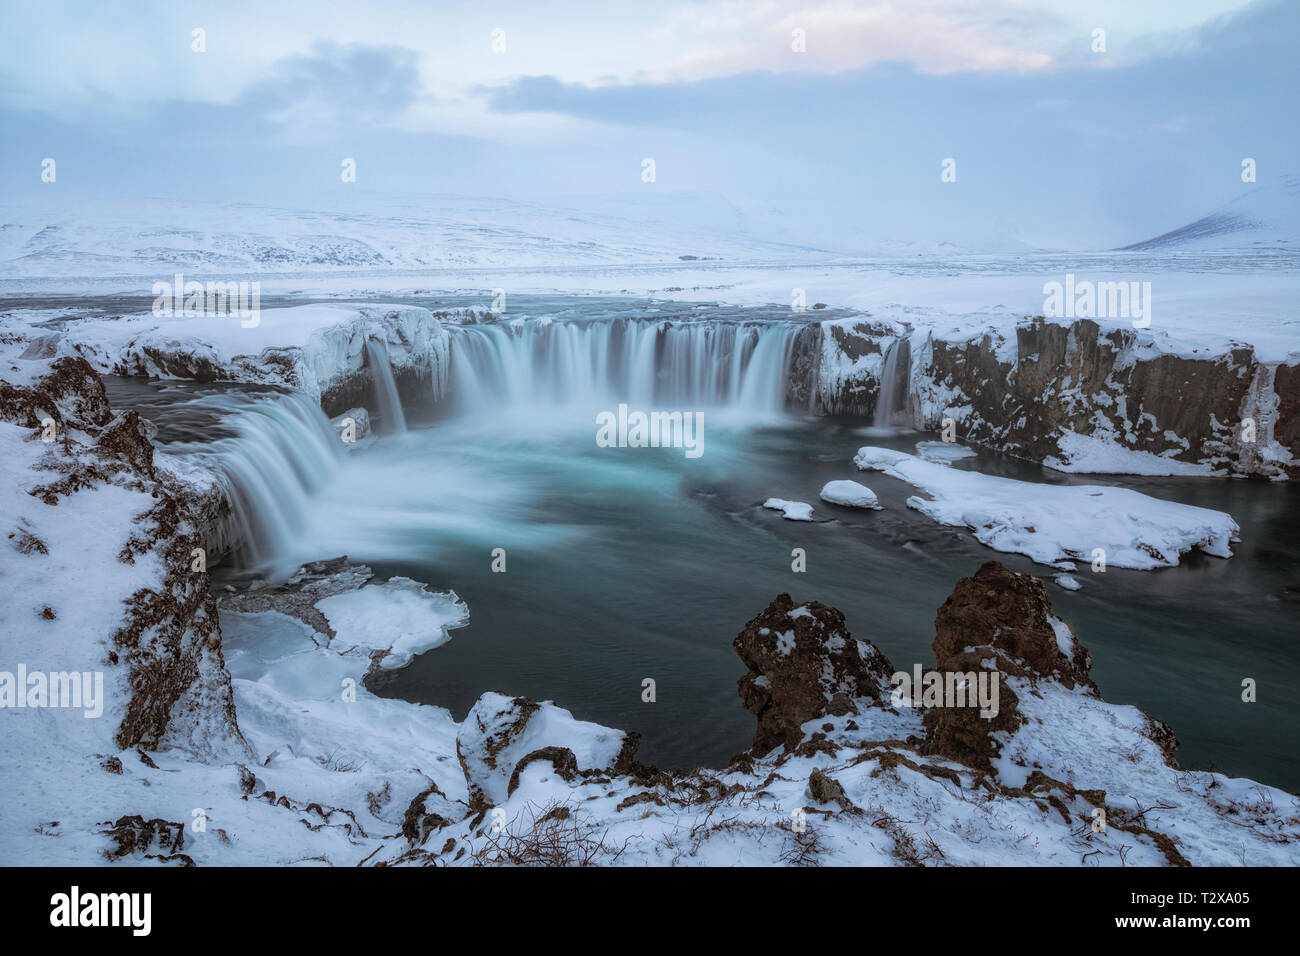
pixel 41 578
pixel 491 743
pixel 400 616
pixel 325 342
pixel 157 238
pixel 1064 637
pixel 850 494
pixel 1093 455
pixel 793 510
pixel 1052 523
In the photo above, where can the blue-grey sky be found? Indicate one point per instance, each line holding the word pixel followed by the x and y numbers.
pixel 1054 142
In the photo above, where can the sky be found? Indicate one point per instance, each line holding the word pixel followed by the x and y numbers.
pixel 1054 141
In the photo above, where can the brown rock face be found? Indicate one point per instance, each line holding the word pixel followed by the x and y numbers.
pixel 999 616
pixel 71 394
pixel 804 664
pixel 1008 616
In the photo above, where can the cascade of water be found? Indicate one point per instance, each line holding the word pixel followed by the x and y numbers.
pixel 381 373
pixel 643 362
pixel 283 451
pixel 894 379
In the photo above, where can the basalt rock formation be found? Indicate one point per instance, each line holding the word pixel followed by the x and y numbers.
pixel 998 621
pixel 803 663
pixel 1056 387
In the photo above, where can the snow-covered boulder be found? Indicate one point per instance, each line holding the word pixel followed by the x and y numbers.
pixel 803 663
pixel 502 735
pixel 850 494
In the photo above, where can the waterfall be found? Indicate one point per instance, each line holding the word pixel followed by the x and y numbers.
pixel 744 365
pixel 283 451
pixel 894 379
pixel 386 397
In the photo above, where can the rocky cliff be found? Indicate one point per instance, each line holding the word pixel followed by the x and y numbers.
pixel 1079 397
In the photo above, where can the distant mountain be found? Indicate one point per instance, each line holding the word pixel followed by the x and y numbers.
pixel 1266 217
pixel 377 233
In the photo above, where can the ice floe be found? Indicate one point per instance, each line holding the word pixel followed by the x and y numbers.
pixel 1052 523
pixel 793 510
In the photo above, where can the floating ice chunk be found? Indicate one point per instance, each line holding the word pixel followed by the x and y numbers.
pixel 943 452
pixel 793 510
pixel 1053 523
pixel 1068 581
pixel 850 494
pixel 400 617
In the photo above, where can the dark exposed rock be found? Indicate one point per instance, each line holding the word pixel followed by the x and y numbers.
pixel 1007 615
pixel 805 365
pixel 71 394
pixel 428 812
pixel 854 395
pixel 561 758
pixel 135 834
pixel 804 664
pixel 826 789
pixel 1076 378
pixel 1004 619
pixel 126 437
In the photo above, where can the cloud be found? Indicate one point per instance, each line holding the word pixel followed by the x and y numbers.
pixel 338 85
pixel 723 37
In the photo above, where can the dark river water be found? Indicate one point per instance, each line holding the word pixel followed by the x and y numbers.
pixel 632 563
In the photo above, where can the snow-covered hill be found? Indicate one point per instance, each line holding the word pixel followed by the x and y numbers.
pixel 1266 217
pixel 106 238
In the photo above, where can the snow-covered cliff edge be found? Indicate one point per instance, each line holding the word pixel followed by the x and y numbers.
pixel 1078 397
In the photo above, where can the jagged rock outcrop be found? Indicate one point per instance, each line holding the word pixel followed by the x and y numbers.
pixel 1007 618
pixel 803 664
pixel 998 621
